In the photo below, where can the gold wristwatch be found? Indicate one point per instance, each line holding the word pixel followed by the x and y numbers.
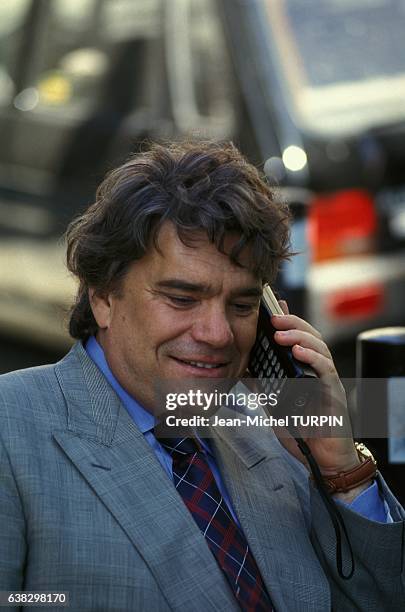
pixel 360 474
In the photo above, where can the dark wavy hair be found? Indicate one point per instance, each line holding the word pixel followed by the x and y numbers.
pixel 195 185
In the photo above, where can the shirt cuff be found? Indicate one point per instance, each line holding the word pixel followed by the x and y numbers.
pixel 371 505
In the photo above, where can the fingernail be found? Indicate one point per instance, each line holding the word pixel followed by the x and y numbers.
pixel 299 348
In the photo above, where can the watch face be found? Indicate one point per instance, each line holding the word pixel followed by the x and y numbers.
pixel 363 450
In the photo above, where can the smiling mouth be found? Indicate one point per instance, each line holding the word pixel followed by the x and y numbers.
pixel 201 364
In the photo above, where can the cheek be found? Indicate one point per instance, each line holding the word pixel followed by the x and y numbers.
pixel 165 324
pixel 245 335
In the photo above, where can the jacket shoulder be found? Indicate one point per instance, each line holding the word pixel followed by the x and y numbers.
pixel 27 381
pixel 30 395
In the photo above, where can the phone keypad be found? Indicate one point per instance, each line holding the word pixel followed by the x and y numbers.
pixel 265 365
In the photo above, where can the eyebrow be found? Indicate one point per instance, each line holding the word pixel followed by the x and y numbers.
pixel 182 285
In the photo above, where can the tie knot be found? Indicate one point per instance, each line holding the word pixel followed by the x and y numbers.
pixel 180 447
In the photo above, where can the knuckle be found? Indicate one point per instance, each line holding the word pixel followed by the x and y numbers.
pixel 325 349
pixel 331 368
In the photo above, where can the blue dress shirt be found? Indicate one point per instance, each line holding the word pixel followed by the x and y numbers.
pixel 146 422
pixel 368 503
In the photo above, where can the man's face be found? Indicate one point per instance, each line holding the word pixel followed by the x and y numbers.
pixel 187 312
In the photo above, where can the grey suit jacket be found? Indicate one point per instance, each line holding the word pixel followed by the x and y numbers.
pixel 86 507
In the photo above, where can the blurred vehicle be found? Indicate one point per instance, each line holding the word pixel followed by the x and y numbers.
pixel 314 88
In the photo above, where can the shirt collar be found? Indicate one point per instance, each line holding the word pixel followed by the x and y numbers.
pixel 143 419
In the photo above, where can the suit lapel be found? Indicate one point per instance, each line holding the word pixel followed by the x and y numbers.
pixel 112 455
pixel 268 508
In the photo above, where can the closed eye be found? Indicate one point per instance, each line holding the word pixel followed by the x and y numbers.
pixel 245 308
pixel 181 300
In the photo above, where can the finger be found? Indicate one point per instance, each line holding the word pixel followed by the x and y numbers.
pixel 323 366
pixel 284 306
pixel 289 321
pixel 307 340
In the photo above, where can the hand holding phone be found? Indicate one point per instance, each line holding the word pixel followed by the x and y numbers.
pixel 272 363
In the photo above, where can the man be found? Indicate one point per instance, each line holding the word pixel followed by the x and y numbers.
pixel 171 261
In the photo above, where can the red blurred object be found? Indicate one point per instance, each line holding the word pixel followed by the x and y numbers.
pixel 357 302
pixel 342 223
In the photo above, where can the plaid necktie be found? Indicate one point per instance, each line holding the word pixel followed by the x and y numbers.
pixel 196 484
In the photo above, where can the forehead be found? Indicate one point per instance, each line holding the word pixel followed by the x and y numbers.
pixel 200 259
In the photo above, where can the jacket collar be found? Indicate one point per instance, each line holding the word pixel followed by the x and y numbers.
pixel 111 453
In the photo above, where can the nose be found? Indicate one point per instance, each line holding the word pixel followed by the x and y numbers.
pixel 213 327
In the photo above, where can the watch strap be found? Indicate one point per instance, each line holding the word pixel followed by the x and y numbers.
pixel 350 479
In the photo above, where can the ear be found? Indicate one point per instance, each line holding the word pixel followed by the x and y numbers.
pixel 101 306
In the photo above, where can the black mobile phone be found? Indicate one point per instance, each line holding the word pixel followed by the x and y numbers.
pixel 275 364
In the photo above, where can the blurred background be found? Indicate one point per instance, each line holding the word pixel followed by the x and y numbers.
pixel 313 91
